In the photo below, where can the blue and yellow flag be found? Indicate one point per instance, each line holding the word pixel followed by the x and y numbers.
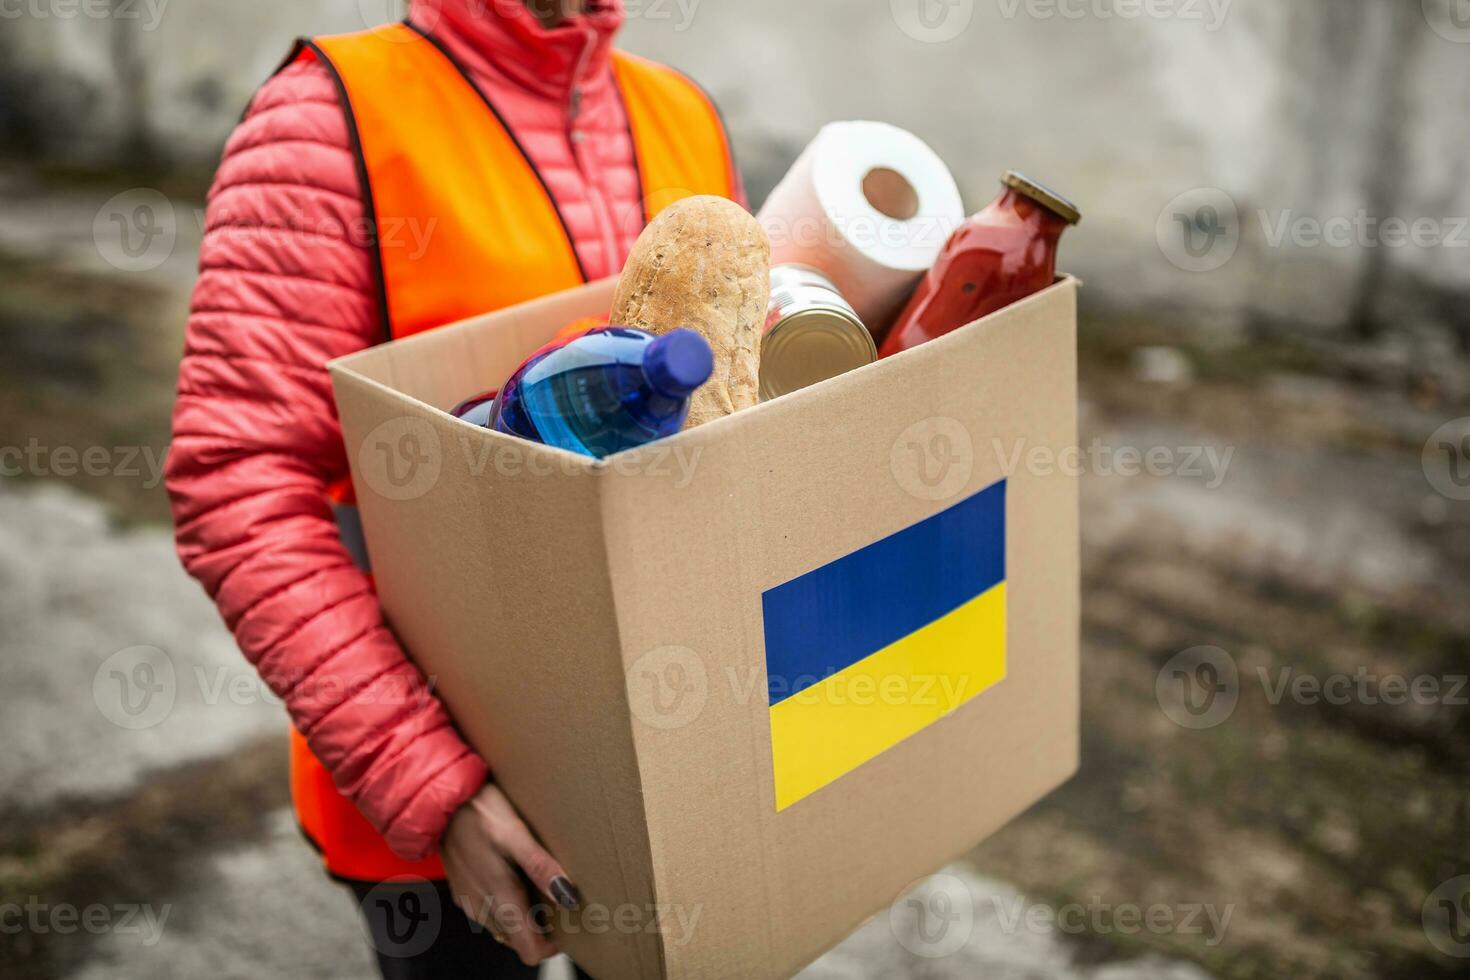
pixel 870 648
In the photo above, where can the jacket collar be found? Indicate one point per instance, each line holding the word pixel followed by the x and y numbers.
pixel 544 61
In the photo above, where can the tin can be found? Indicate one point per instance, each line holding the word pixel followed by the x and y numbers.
pixel 811 333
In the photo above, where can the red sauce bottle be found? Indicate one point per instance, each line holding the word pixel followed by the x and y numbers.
pixel 1004 253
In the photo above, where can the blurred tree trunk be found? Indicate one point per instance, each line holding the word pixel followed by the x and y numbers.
pixel 138 144
pixel 1387 161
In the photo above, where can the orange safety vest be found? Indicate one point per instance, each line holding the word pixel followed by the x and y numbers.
pixel 432 150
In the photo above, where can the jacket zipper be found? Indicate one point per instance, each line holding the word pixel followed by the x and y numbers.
pixel 576 139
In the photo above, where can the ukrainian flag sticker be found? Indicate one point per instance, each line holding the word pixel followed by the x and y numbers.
pixel 870 648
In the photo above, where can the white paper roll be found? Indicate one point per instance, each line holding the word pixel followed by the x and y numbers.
pixel 868 204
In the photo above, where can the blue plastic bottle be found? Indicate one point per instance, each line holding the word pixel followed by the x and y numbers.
pixel 475 410
pixel 606 391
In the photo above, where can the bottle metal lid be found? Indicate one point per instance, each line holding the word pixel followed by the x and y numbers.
pixel 1043 195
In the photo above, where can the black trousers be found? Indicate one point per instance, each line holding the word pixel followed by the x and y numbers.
pixel 418 933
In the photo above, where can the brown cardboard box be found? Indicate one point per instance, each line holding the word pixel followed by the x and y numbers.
pixel 599 630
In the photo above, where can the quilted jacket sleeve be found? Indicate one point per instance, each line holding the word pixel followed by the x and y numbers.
pixel 285 285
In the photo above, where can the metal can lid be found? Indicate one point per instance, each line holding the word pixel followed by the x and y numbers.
pixel 793 274
pixel 810 346
pixel 1042 195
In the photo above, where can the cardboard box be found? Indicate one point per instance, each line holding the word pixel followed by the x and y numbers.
pixel 640 646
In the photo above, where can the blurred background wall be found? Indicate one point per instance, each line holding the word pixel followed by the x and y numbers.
pixel 1319 120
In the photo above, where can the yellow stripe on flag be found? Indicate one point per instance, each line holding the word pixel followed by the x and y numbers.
pixel 834 726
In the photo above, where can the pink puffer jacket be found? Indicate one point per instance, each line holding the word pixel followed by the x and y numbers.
pixel 285 285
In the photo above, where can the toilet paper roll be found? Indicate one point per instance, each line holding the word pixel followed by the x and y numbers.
pixel 868 204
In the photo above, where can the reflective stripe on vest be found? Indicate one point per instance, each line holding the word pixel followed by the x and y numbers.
pixel 465 225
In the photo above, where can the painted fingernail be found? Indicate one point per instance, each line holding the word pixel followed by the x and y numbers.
pixel 564 893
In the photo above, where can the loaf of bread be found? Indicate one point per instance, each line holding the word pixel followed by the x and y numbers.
pixel 703 263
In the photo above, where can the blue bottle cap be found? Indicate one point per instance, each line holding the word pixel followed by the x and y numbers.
pixel 678 362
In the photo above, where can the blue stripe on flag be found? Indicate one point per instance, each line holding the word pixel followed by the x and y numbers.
pixel 851 607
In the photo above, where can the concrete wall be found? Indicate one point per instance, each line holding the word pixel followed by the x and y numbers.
pixel 101 81
pixel 1308 118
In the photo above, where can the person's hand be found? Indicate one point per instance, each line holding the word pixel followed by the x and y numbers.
pixel 485 843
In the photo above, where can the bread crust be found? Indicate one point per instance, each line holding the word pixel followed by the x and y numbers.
pixel 703 263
